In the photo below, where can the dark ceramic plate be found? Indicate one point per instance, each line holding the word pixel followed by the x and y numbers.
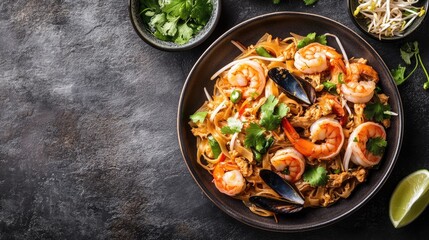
pixel 222 52
pixel 361 22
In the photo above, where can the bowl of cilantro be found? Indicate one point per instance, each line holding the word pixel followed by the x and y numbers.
pixel 174 25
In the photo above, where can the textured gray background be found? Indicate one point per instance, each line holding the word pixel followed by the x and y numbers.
pixel 88 145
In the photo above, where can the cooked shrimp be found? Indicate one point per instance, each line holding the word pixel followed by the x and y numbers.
pixel 356 148
pixel 358 71
pixel 248 76
pixel 325 130
pixel 314 58
pixel 360 83
pixel 358 92
pixel 289 164
pixel 338 70
pixel 228 179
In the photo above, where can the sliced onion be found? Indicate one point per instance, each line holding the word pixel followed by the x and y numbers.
pixel 217 109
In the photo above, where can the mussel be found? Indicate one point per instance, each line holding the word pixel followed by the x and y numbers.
pixel 294 86
pixel 275 205
pixel 282 187
pixel 291 202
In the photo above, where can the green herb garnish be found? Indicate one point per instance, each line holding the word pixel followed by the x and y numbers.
pixel 271 114
pixel 408 51
pixel 376 146
pixel 234 126
pixel 376 111
pixel 317 176
pixel 256 140
pixel 176 20
pixel 254 136
pixel 310 2
pixel 311 38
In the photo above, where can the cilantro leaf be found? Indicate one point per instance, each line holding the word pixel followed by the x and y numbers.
pixel 408 50
pixel 311 38
pixel 178 8
pixel 375 111
pixel 201 11
pixel 175 20
pixel 158 19
pixel 214 145
pixel 169 28
pixel 310 2
pixel 399 74
pixel 317 176
pixel 376 146
pixel 255 140
pixel 198 117
pixel 149 8
pixel 281 110
pixel 184 34
pixel 254 135
pixel 269 104
pixel 270 115
pixel 234 126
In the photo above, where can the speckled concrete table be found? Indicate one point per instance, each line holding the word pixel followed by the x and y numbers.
pixel 88 145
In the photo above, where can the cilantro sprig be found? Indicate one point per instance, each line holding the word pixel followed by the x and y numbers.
pixel 377 111
pixel 175 20
pixel 257 141
pixel 311 38
pixel 316 176
pixel 271 114
pixel 408 51
pixel 376 146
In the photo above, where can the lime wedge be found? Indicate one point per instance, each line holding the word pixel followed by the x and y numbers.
pixel 410 198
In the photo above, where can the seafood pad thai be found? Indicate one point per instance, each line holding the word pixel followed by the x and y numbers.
pixel 292 114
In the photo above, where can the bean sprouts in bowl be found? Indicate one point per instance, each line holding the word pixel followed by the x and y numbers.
pixel 388 19
pixel 221 53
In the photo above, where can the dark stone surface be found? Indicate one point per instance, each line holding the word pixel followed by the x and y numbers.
pixel 88 145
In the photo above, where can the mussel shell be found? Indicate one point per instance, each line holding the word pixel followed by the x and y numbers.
pixel 288 191
pixel 296 87
pixel 275 205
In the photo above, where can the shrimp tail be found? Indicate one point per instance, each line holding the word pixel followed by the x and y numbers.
pixel 303 146
pixel 218 172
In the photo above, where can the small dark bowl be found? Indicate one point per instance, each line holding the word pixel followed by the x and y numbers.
pixel 361 22
pixel 142 30
pixel 222 52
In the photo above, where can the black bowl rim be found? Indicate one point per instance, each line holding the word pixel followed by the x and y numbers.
pixel 377 187
pixel 382 38
pixel 203 34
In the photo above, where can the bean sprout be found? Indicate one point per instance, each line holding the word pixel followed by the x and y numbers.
pixel 389 17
